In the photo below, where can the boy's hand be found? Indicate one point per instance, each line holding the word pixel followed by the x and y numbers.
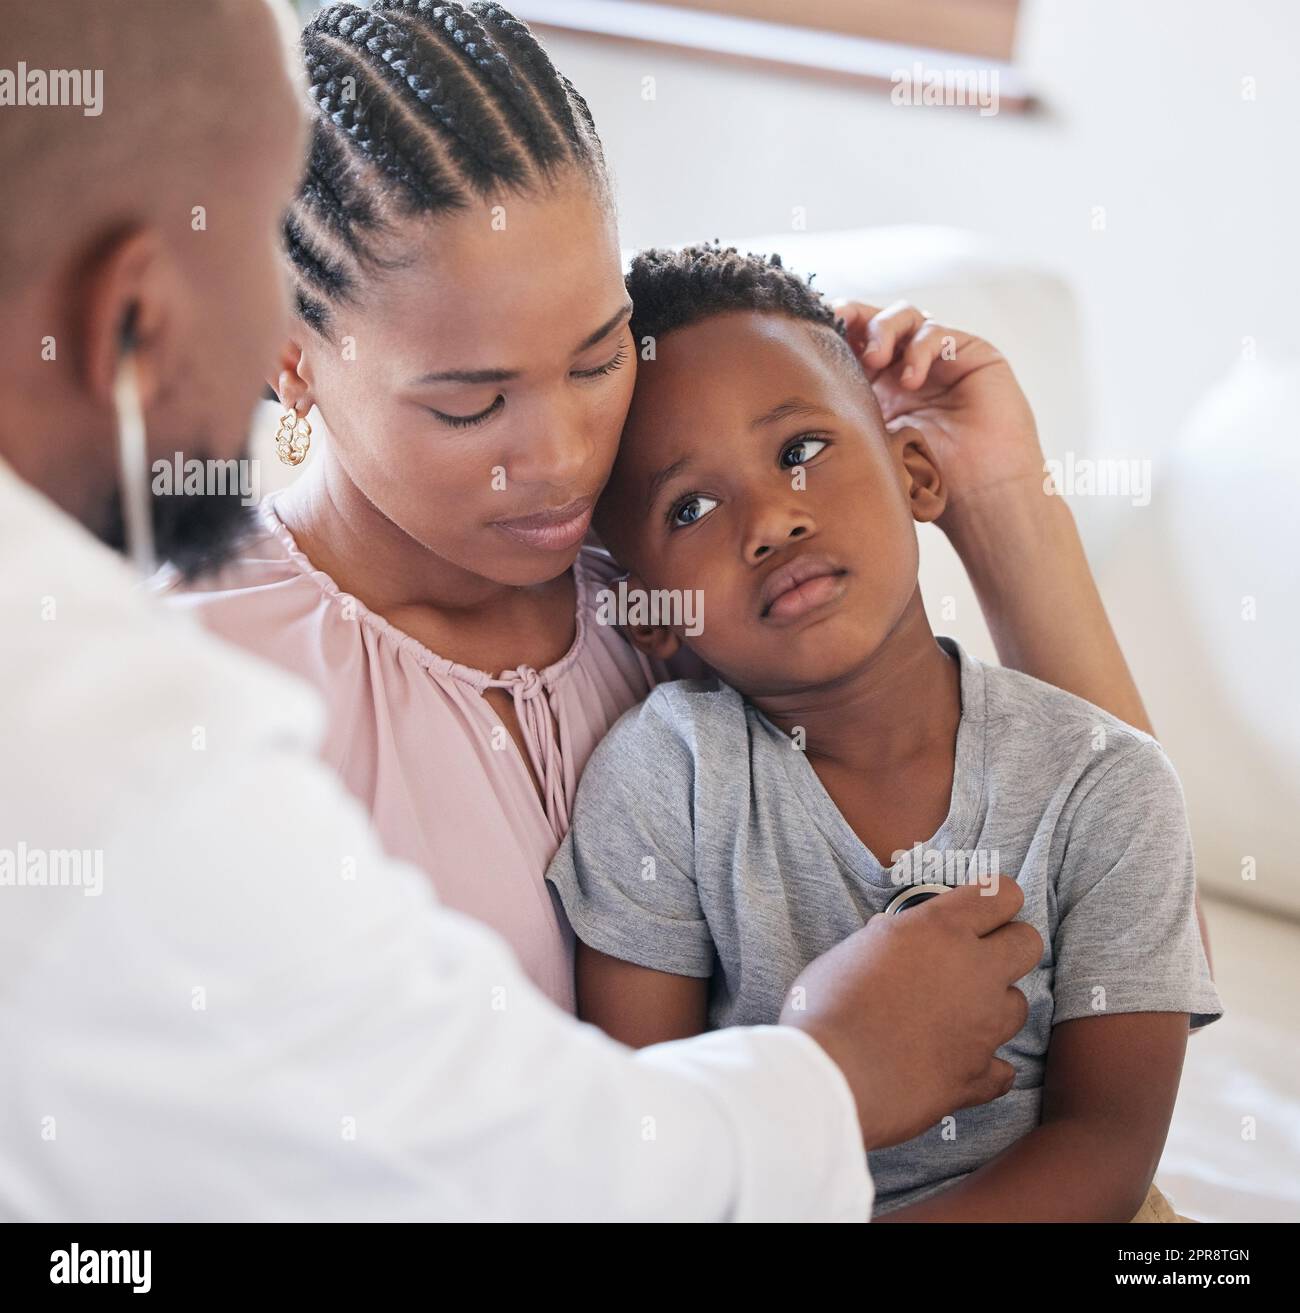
pixel 958 391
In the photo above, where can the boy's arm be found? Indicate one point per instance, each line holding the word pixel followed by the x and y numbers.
pixel 1129 977
pixel 638 1005
pixel 1108 1097
pixel 625 874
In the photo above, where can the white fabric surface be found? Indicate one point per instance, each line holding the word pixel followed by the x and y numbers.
pixel 1243 1067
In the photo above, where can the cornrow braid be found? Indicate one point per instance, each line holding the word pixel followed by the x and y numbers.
pixel 487 62
pixel 673 288
pixel 419 109
pixel 567 110
pixel 352 93
pixel 325 274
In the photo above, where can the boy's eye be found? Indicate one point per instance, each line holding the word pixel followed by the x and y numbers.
pixel 801 452
pixel 690 510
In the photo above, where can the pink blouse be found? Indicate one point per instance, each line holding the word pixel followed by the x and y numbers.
pixel 411 737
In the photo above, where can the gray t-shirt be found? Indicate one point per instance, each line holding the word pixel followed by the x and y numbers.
pixel 703 844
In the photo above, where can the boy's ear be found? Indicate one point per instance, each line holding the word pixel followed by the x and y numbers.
pixel 657 641
pixel 925 487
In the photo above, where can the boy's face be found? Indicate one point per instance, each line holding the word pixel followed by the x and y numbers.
pixel 754 449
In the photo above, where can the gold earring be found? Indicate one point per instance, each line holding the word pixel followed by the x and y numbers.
pixel 292 438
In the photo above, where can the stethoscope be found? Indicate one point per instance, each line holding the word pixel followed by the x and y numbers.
pixel 133 456
pixel 913 896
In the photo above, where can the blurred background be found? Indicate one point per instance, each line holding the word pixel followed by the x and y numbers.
pixel 1108 192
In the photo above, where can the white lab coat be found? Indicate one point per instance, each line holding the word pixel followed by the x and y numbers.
pixel 259 1016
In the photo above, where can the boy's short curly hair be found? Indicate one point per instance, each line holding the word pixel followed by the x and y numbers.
pixel 673 288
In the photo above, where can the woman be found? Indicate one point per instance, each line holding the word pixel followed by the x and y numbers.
pixel 464 341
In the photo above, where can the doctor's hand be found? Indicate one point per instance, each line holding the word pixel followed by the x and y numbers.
pixel 912 1007
pixel 960 393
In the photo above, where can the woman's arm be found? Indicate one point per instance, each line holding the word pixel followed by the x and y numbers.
pixel 1108 1096
pixel 1026 561
pixel 635 1004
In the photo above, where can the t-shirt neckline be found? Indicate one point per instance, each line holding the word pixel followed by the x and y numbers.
pixel 954 832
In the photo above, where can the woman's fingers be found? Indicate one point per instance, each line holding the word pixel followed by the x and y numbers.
pixel 903 340
pixel 923 348
pixel 856 315
pixel 879 335
pixel 888 330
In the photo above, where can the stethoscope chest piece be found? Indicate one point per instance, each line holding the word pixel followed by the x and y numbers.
pixel 913 896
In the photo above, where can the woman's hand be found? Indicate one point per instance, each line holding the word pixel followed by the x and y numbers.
pixel 959 392
pixel 1020 546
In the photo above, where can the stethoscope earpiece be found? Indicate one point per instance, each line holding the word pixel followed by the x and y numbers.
pixel 133 455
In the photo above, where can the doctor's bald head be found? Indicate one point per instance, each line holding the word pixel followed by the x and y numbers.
pixel 148 150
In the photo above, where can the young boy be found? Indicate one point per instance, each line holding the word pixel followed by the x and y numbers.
pixel 731 829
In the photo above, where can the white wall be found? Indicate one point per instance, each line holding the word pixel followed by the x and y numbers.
pixel 1143 115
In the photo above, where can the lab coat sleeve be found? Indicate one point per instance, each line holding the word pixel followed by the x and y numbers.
pixel 261 1016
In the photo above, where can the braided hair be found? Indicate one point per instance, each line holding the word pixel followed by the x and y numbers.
pixel 673 288
pixel 420 108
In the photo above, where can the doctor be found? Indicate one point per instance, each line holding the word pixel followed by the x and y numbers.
pixel 218 999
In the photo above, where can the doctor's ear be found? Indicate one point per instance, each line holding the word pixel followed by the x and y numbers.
pixel 130 299
pixel 291 381
pixel 630 611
